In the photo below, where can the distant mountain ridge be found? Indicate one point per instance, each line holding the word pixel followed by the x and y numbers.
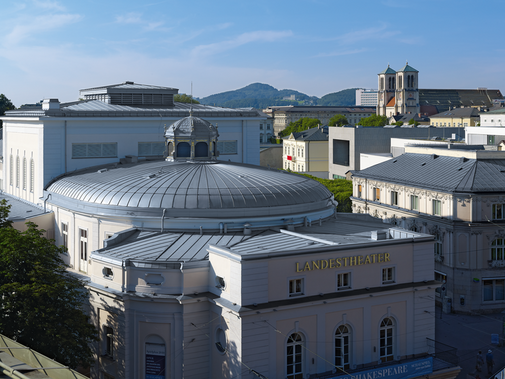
pixel 259 95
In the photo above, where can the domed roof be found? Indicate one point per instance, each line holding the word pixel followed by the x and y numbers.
pixel 190 126
pixel 189 189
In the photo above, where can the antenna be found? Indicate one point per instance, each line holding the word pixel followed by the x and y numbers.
pixel 191 101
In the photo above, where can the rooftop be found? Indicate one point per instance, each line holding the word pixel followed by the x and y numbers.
pixel 457 173
pixel 21 210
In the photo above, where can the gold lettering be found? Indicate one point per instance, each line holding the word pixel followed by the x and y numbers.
pixel 360 260
pixel 306 267
pixel 345 261
pixel 323 265
pixel 315 265
pixel 353 261
pixel 373 255
pixel 332 263
pixel 367 260
pixel 298 268
pixel 386 257
pixel 339 262
pixel 381 257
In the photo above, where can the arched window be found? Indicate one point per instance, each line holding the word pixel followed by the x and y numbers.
pixel 400 81
pixel 382 83
pixel 24 173
pixel 261 137
pixel 498 250
pixel 294 356
pixel 386 340
pixel 390 84
pixel 17 171
pixel 201 150
pixel 11 170
pixel 183 150
pixel 343 347
pixel 32 175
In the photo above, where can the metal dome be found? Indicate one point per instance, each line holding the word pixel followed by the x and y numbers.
pixel 190 126
pixel 190 189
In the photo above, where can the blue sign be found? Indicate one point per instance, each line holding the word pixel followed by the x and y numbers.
pixel 404 371
pixel 155 361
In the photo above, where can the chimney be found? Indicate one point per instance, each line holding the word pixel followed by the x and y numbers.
pixel 50 104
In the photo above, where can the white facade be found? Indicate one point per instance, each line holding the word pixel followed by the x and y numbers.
pixel 367 97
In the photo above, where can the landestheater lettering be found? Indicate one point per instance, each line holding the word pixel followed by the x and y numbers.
pixel 356 260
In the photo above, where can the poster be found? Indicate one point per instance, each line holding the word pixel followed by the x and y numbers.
pixel 155 361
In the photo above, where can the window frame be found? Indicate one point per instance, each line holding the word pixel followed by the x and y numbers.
pixel 109 341
pixel 347 276
pixel 394 198
pixel 229 143
pixel 376 194
pixel 497 212
pixel 88 144
pixel 294 281
pixel 297 350
pixel 493 282
pixel 436 207
pixel 389 339
pixel 414 203
pixel 387 281
pixel 498 250
pixel 341 337
pixel 64 234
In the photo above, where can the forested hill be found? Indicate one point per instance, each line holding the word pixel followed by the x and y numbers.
pixel 260 96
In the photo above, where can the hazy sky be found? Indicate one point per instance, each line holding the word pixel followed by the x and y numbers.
pixel 54 48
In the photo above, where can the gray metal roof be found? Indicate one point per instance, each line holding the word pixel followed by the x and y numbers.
pixel 314 134
pixel 458 112
pixel 167 247
pixel 21 210
pixel 184 187
pixel 189 247
pixel 440 173
pixel 97 108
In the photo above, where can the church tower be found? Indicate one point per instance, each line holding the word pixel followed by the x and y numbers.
pixel 407 91
pixel 386 94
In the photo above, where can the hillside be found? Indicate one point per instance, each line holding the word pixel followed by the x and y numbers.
pixel 260 96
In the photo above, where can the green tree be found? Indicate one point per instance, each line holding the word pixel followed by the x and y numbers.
pixel 338 120
pixel 413 122
pixel 305 123
pixel 183 98
pixel 374 120
pixel 41 302
pixel 398 123
pixel 341 189
pixel 5 105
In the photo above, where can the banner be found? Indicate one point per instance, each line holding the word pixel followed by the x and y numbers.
pixel 155 361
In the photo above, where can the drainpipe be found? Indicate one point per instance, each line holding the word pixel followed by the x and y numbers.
pixel 65 146
pixel 45 201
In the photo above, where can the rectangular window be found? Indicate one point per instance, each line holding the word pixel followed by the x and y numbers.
pixel 493 290
pixel 64 234
pixel 376 194
pixel 227 147
pixel 490 140
pixel 437 207
pixel 94 150
pixel 388 275
pixel 414 202
pixel 109 341
pixel 394 198
pixel 359 190
pixel 150 149
pixel 83 250
pixel 498 213
pixel 344 281
pixel 32 174
pixel 296 287
pixel 341 152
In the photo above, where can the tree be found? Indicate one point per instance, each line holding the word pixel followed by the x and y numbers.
pixel 413 122
pixel 5 105
pixel 338 120
pixel 42 303
pixel 398 123
pixel 341 189
pixel 305 123
pixel 183 98
pixel 374 120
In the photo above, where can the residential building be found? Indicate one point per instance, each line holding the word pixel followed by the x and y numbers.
pixel 307 152
pixel 457 117
pixel 455 193
pixel 399 93
pixel 407 118
pixel 366 97
pixel 284 115
pixel 346 144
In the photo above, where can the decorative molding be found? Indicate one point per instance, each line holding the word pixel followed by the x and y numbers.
pixel 496 263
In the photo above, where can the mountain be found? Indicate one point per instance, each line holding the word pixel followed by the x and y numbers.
pixel 259 95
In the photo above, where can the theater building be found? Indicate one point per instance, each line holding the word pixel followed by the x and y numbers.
pixel 203 268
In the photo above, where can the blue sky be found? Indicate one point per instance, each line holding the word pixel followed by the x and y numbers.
pixel 54 48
